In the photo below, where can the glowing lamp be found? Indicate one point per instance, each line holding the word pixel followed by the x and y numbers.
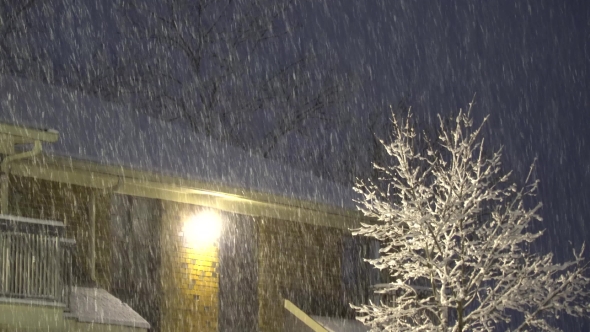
pixel 202 229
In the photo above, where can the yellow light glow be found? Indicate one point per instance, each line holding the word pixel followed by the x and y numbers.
pixel 202 229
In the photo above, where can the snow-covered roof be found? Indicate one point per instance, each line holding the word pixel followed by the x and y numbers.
pixel 96 305
pixel 113 134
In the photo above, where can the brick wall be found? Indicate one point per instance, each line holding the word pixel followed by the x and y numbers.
pixel 135 259
pixel 292 260
pixel 70 204
pixel 186 297
pixel 299 262
pixel 189 274
pixel 238 282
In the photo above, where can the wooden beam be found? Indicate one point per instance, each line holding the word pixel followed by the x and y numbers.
pixel 304 318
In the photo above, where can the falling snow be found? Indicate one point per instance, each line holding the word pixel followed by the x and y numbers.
pixel 291 98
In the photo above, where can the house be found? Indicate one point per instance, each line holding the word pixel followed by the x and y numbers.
pixel 140 224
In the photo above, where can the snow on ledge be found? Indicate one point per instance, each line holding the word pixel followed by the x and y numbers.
pixel 335 324
pixel 96 305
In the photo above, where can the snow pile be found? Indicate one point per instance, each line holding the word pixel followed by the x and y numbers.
pixel 96 305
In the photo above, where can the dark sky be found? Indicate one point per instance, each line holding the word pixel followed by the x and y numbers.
pixel 526 62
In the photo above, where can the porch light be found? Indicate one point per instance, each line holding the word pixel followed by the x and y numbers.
pixel 203 228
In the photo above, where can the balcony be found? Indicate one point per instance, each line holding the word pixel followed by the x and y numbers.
pixel 35 261
pixel 37 286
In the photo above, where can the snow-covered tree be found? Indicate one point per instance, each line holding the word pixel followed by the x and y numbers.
pixel 455 233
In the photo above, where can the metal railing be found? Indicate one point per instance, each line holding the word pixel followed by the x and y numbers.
pixel 35 261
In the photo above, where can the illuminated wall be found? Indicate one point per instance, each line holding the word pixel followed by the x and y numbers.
pixel 189 273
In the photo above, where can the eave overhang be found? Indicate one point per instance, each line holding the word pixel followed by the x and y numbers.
pixel 11 135
pixel 127 181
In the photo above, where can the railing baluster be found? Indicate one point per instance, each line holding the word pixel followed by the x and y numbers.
pixel 47 276
pixel 26 263
pixel 2 263
pixel 36 272
pixel 26 254
pixel 22 253
pixel 19 263
pixel 15 274
pixel 14 265
pixel 55 275
pixel 41 266
pixel 29 239
pixel 8 262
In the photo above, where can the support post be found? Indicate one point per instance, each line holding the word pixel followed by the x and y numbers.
pixel 4 189
pixel 5 170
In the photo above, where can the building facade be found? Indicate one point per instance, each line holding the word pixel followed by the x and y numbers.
pixel 187 234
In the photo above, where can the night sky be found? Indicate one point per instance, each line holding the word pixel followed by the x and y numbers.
pixel 527 63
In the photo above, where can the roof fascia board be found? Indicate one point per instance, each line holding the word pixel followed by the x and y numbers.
pixel 144 188
pixel 28 135
pixel 189 186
